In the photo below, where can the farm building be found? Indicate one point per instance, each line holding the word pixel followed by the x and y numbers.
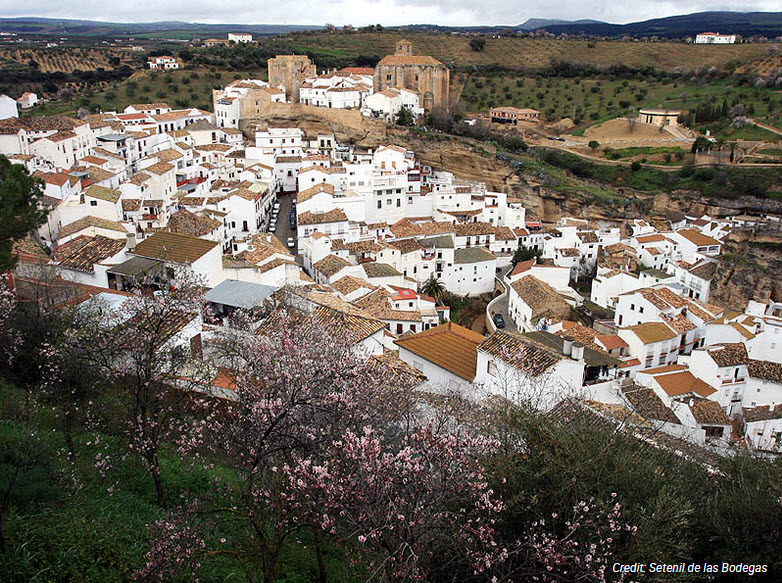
pixel 660 117
pixel 513 115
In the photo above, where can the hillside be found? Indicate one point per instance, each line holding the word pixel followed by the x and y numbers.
pixel 744 23
pixel 522 53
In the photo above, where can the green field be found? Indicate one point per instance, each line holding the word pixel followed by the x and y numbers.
pixel 181 88
pixel 601 99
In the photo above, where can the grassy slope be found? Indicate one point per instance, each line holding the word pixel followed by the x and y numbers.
pixel 67 523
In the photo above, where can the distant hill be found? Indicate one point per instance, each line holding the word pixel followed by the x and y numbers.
pixel 744 23
pixel 62 26
pixel 538 23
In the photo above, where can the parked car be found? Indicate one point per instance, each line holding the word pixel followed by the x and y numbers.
pixel 499 321
pixel 272 226
pixel 291 242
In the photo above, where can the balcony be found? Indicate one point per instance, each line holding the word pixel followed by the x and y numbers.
pixel 733 381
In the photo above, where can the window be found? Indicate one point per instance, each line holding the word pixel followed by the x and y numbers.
pixel 398 202
pixel 491 368
pixel 632 307
pixel 379 204
pixel 93 203
pixel 641 309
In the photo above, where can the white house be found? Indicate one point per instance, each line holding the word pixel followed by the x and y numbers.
pixel 8 107
pixel 714 38
pixel 162 63
pixel 27 100
pixel 240 37
pixel 184 256
pixel 447 354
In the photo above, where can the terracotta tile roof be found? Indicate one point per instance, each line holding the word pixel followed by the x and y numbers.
pixel 332 216
pixel 520 352
pixel 679 323
pixel 448 346
pixel 159 168
pixel 707 412
pixel 330 265
pixel 405 245
pixel 409 60
pixel 377 303
pixel 174 247
pixel 167 155
pixel 131 204
pixel 93 160
pixel 697 238
pixel 648 405
pixel 655 238
pixel 765 370
pixel 375 269
pixel 139 178
pixel 186 223
pixel 522 266
pixel 400 370
pixel 103 193
pixel 405 228
pixel 728 354
pixel 56 178
pixel 762 413
pixel 263 246
pixel 149 106
pixel 662 297
pixel 307 194
pixel 83 256
pixel 588 237
pixel 541 298
pixel 90 221
pixel 651 332
pixel 468 229
pixel 473 255
pixel 568 252
pixel 611 341
pixel 349 284
pixel 28 251
pixel 504 234
pixel 683 383
pixel 663 369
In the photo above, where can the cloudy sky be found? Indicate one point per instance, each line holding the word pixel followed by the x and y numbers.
pixel 362 12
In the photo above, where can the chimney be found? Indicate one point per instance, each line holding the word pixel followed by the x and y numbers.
pixel 567 345
pixel 131 241
pixel 577 351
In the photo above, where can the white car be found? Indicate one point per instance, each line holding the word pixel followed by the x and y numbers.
pixel 291 242
pixel 272 226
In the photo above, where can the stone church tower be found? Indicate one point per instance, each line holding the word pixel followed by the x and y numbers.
pixel 420 73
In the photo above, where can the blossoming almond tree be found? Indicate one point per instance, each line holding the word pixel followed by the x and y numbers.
pixel 144 350
pixel 412 512
pixel 298 387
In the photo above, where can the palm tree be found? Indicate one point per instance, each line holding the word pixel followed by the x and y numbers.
pixel 433 287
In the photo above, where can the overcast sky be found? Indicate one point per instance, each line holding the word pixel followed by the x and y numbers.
pixel 362 12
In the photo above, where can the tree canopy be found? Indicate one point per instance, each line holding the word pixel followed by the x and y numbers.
pixel 20 197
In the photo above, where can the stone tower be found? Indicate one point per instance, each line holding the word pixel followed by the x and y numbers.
pixel 290 71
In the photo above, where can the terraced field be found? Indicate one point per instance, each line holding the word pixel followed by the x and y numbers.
pixel 67 59
pixel 525 52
